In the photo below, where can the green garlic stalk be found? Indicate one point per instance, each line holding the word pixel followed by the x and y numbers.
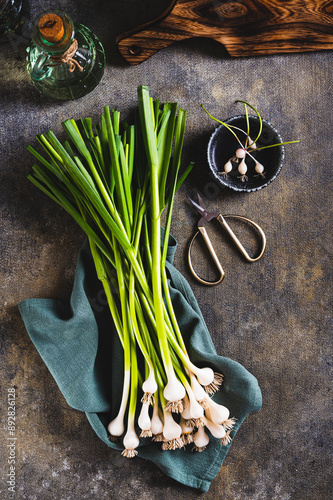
pixel 115 180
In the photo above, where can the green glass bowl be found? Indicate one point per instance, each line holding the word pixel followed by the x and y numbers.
pixel 223 145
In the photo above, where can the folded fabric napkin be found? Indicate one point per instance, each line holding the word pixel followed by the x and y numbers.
pixel 79 344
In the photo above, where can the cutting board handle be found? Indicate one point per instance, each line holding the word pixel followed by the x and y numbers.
pixel 139 44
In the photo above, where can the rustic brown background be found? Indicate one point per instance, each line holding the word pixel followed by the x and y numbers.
pixel 273 316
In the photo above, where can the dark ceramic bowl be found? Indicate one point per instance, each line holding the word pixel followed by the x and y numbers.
pixel 223 145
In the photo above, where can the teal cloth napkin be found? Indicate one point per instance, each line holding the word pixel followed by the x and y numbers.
pixel 77 340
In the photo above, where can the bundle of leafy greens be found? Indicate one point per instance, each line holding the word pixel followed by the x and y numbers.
pixel 115 179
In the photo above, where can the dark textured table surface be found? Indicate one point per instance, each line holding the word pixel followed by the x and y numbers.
pixel 274 316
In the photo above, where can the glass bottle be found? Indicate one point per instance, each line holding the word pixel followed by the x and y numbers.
pixel 65 61
pixel 14 15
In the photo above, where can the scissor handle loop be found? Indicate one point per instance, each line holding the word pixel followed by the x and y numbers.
pixel 211 250
pixel 222 221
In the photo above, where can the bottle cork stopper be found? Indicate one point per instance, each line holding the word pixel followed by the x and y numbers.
pixel 51 27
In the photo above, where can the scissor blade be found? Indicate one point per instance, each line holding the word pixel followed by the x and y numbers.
pixel 201 202
pixel 202 211
pixel 207 216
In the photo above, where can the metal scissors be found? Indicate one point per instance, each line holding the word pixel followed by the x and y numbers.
pixel 207 217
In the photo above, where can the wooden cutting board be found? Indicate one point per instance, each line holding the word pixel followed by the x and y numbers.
pixel 245 28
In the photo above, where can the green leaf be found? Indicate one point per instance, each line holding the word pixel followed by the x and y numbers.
pixel 119 186
pixel 126 180
pixel 230 128
pixel 148 126
pixel 259 117
pixel 165 150
pixel 179 140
